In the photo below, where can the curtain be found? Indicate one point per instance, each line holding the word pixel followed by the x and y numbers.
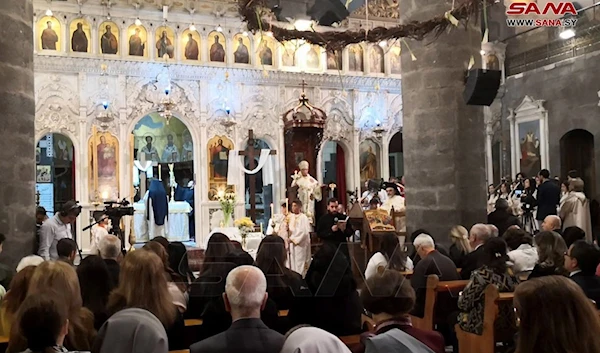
pixel 341 175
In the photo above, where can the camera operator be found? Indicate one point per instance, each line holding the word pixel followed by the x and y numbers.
pixel 528 205
pixel 57 228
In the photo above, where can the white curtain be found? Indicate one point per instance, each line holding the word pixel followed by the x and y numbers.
pixel 236 163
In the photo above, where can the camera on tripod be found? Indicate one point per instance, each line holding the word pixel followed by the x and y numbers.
pixel 122 209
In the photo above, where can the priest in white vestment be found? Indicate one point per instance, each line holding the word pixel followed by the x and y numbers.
pixel 309 191
pixel 575 209
pixel 395 201
pixel 278 225
pixel 299 230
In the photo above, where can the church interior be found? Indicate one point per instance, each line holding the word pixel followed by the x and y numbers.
pixel 342 145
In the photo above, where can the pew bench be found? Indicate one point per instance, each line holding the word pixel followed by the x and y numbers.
pixel 484 343
pixel 434 287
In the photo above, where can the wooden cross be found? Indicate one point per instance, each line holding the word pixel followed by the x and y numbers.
pixel 251 153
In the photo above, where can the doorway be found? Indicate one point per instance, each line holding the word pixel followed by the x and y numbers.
pixel 577 153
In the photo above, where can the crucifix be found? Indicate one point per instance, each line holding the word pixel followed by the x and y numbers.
pixel 251 153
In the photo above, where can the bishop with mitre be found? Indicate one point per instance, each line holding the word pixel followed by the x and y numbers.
pixel 309 191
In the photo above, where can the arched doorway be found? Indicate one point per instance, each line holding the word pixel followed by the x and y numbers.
pixel 396 156
pixel 55 171
pixel 164 151
pixel 577 153
pixel 263 194
pixel 334 170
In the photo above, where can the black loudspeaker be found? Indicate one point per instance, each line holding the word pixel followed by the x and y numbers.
pixel 481 86
pixel 328 12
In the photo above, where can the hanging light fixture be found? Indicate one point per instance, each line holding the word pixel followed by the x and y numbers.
pixel 225 88
pixel 167 105
pixel 378 129
pixel 305 114
pixel 105 117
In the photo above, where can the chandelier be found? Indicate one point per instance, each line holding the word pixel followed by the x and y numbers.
pixel 305 114
pixel 105 117
pixel 166 106
pixel 378 129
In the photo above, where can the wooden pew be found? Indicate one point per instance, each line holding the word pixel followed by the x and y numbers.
pixel 484 343
pixel 181 351
pixel 434 286
pixel 366 323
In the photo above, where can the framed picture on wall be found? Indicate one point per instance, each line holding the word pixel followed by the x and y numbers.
pixel 529 136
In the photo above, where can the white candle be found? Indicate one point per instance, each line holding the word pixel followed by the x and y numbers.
pixel 272 214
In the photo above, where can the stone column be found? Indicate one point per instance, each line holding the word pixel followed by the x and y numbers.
pixel 444 139
pixel 17 142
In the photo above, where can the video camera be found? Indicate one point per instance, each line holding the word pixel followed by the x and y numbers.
pixel 123 209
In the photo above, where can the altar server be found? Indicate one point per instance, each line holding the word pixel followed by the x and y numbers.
pixel 395 201
pixel 299 230
pixel 278 225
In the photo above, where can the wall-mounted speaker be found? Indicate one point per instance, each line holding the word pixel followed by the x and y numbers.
pixel 481 86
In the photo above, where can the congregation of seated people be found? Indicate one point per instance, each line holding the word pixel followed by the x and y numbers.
pixel 140 302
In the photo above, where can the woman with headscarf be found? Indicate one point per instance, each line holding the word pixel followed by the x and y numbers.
pixel 132 330
pixel 157 209
pixel 313 340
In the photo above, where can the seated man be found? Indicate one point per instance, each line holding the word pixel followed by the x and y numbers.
pixel 67 250
pixel 552 223
pixel 502 218
pixel 478 235
pixel 581 261
pixel 432 263
pixel 245 297
pixel 110 251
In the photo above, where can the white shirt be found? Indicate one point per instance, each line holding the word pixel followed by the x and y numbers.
pixel 51 232
pixel 378 259
pixel 97 234
pixel 574 273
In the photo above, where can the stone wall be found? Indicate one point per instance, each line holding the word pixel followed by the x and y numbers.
pixel 17 108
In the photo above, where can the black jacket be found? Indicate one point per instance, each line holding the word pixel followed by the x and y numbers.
pixel 503 220
pixel 548 198
pixel 590 285
pixel 473 261
pixel 457 256
pixel 245 335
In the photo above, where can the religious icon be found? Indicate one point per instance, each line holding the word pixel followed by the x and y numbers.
pixel 170 153
pixel 368 160
pixel 265 52
pixel 109 43
pixel 192 51
pixel 395 60
pixel 334 60
pixel 63 148
pixel 164 43
pixel 104 166
pixel 289 54
pixel 377 61
pixel 529 139
pixel 218 151
pixel 49 37
pixel 137 41
pixel 217 51
pixel 79 38
pixel 149 150
pixel 187 153
pixel 43 174
pixel 241 54
pixel 312 57
pixel 492 62
pixel 355 58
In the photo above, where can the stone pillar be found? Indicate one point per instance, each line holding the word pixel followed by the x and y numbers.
pixel 17 140
pixel 444 139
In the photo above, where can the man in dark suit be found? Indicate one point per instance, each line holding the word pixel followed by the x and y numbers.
pixel 502 218
pixel 332 229
pixel 432 263
pixel 548 197
pixel 478 234
pixel 581 261
pixel 245 296
pixel 552 223
pixel 110 251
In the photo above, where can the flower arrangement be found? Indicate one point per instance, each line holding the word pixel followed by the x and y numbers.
pixel 227 201
pixel 245 226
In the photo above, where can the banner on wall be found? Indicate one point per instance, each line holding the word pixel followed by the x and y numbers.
pixel 46 192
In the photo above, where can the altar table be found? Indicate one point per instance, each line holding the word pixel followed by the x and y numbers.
pixel 178 224
pixel 233 233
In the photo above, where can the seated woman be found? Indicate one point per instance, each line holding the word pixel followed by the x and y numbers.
pixel 132 331
pixel 460 248
pixel 333 303
pixel 177 286
pixel 13 299
pixel 96 284
pixel 60 277
pixel 143 284
pixel 494 271
pixel 282 283
pixel 390 298
pixel 551 249
pixel 555 316
pixel 390 256
pixel 43 322
pixel 522 254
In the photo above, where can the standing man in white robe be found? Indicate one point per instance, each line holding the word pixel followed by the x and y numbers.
pixel 279 225
pixel 98 232
pixel 309 191
pixel 395 201
pixel 299 230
